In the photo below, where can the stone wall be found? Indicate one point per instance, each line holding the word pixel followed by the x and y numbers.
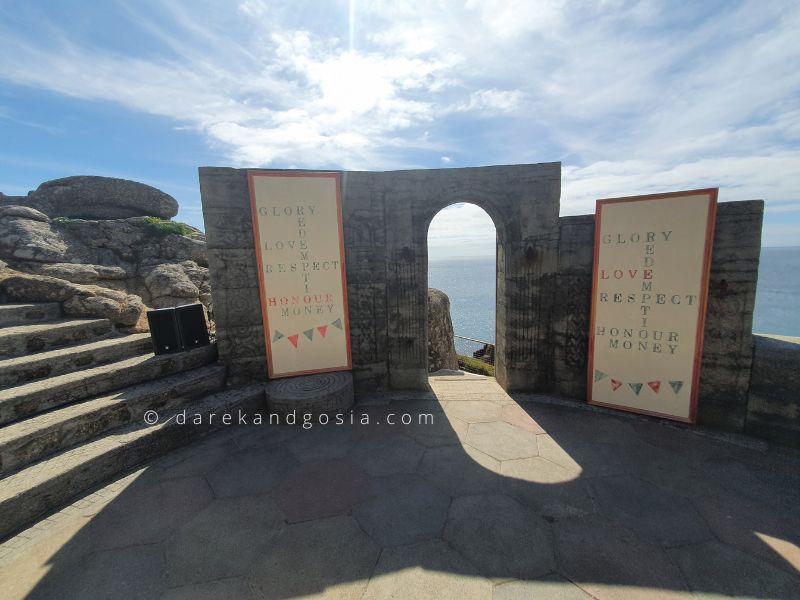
pixel 386 217
pixel 727 347
pixel 544 272
pixel 773 407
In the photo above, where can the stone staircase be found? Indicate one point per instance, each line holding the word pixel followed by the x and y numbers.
pixel 73 394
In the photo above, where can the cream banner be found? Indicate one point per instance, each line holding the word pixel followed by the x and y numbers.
pixel 297 224
pixel 651 265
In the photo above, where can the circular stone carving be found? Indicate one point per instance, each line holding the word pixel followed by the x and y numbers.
pixel 322 393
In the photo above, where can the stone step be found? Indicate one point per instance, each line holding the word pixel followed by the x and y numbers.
pixel 49 484
pixel 29 440
pixel 18 340
pixel 45 394
pixel 20 314
pixel 21 369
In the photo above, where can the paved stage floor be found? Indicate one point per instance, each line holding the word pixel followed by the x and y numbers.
pixel 500 498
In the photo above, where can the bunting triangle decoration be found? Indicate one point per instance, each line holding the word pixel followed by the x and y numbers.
pixel 636 387
pixel 294 340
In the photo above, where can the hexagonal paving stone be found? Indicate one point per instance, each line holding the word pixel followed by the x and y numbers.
pixel 146 512
pixel 473 411
pixel 230 587
pixel 427 570
pixel 516 415
pixel 552 587
pixel 136 573
pixel 500 537
pixel 656 514
pixel 255 470
pixel 333 556
pixel 589 459
pixel 381 455
pixel 321 489
pixel 744 524
pixel 460 470
pixel 609 562
pixel 440 430
pixel 264 435
pixel 502 441
pixel 716 568
pixel 402 509
pixel 194 460
pixel 222 539
pixel 323 442
pixel 537 470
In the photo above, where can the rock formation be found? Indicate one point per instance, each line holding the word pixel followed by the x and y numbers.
pixel 126 311
pixel 92 197
pixel 105 233
pixel 441 347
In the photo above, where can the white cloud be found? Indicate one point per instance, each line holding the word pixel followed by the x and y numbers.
pixel 461 230
pixel 634 97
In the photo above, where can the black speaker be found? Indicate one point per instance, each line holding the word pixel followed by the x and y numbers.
pixel 164 330
pixel 192 326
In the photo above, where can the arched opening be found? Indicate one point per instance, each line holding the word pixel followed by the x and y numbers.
pixel 462 263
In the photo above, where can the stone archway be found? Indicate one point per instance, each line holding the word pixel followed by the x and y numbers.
pixel 385 221
pixel 523 202
pixel 462 291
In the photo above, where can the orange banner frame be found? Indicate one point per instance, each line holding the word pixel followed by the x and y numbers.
pixel 262 283
pixel 649 384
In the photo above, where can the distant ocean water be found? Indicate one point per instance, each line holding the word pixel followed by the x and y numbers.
pixel 470 284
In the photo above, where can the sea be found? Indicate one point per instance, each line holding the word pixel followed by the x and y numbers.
pixel 470 284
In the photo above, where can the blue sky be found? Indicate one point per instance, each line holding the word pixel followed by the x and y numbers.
pixel 632 97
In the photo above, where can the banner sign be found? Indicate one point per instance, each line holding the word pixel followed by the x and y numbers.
pixel 652 259
pixel 297 224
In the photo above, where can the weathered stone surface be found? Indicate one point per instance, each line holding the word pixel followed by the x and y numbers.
pixel 38 396
pixel 251 471
pixel 169 281
pixel 197 553
pixel 402 509
pixel 507 540
pixel 385 217
pixel 657 515
pixel 441 347
pixel 92 197
pixel 135 254
pixel 773 405
pixel 122 309
pixel 320 489
pixel 607 561
pixel 313 395
pixel 729 572
pixel 379 458
pixel 332 556
pixel 460 471
pixel 426 570
pixel 552 587
pixel 502 441
pixel 23 239
pixel 23 212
